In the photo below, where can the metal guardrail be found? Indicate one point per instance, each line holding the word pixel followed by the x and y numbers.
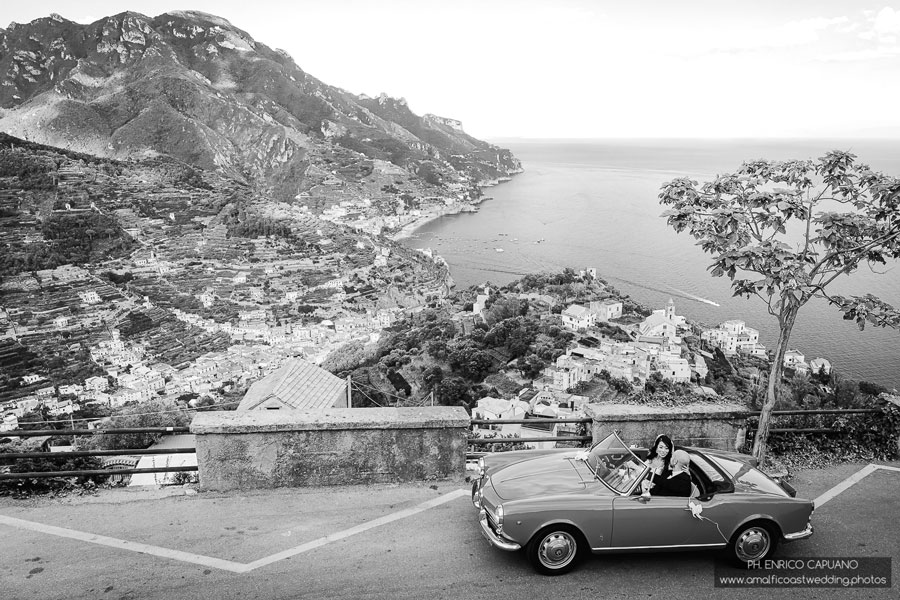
pixel 51 455
pixel 570 438
pixel 88 432
pixel 812 412
pixel 116 470
pixel 92 472
pixel 777 413
pixel 820 411
pixel 532 421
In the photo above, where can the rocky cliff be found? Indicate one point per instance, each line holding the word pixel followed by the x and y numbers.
pixel 194 87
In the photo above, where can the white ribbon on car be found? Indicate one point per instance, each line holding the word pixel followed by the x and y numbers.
pixel 697 512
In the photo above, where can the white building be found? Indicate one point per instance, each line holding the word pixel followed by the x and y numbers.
pixel 794 359
pixel 97 384
pixel 734 336
pixel 604 310
pixel 207 299
pixel 820 365
pixel 576 366
pixel 674 369
pixel 662 323
pixel 489 408
pixel 9 422
pixel 479 303
pixel 89 297
pixel 252 315
pixel 72 388
pixel 577 317
pixel 658 326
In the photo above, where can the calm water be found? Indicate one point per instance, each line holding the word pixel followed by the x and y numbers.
pixel 594 204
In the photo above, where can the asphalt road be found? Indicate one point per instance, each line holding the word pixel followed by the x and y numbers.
pixel 391 542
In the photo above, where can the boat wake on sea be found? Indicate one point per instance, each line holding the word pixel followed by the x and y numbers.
pixel 692 296
pixel 678 293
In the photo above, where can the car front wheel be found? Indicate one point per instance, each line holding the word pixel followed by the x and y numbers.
pixel 554 550
pixel 752 543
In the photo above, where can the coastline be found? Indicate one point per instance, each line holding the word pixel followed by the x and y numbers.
pixel 406 231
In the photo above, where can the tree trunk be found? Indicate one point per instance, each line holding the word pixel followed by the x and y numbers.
pixel 786 320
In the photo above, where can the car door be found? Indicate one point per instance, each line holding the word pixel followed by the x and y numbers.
pixel 662 521
pixel 652 523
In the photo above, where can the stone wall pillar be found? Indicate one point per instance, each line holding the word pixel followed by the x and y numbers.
pixel 338 446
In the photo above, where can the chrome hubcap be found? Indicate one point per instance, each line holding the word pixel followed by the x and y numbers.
pixel 753 544
pixel 558 549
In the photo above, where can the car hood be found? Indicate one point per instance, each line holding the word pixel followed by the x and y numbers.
pixel 545 475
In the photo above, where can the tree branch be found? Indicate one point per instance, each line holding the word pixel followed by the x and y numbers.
pixel 857 252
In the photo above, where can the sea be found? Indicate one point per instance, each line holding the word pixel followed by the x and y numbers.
pixel 594 204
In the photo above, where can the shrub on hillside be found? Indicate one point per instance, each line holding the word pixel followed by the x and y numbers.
pixel 53 462
pixel 144 415
pixel 869 436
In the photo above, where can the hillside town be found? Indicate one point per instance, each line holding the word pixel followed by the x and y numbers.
pixel 205 292
pixel 656 347
pixel 147 352
pixel 197 315
pixel 197 290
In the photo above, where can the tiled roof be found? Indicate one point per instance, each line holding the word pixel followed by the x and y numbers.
pixel 296 384
pixel 653 321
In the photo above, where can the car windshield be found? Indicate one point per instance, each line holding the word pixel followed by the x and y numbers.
pixel 614 464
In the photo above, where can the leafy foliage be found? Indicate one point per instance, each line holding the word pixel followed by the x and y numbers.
pixel 247 224
pixel 866 436
pixel 512 444
pixel 75 238
pixel 146 414
pixel 54 461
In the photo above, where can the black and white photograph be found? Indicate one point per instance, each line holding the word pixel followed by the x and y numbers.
pixel 471 299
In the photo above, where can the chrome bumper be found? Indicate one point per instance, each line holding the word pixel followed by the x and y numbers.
pixel 800 535
pixel 493 538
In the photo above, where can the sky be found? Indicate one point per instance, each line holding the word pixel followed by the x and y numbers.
pixel 585 68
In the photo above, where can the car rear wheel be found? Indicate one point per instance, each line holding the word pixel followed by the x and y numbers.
pixel 752 542
pixel 554 550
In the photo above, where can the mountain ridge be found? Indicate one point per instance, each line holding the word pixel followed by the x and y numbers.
pixel 195 87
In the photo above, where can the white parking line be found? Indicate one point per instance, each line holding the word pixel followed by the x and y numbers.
pixel 358 529
pixel 849 482
pixel 198 559
pixel 218 563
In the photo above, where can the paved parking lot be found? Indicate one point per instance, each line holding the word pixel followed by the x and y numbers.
pixel 374 541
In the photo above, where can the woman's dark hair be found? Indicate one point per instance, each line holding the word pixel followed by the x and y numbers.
pixel 668 442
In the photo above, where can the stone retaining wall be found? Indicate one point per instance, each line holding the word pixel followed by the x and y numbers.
pixel 704 425
pixel 267 449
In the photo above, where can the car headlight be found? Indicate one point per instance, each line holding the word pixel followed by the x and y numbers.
pixel 481 467
pixel 499 517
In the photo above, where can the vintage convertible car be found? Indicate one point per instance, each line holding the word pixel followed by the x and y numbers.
pixel 557 504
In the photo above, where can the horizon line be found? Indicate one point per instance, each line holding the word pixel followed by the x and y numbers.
pixel 694 138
